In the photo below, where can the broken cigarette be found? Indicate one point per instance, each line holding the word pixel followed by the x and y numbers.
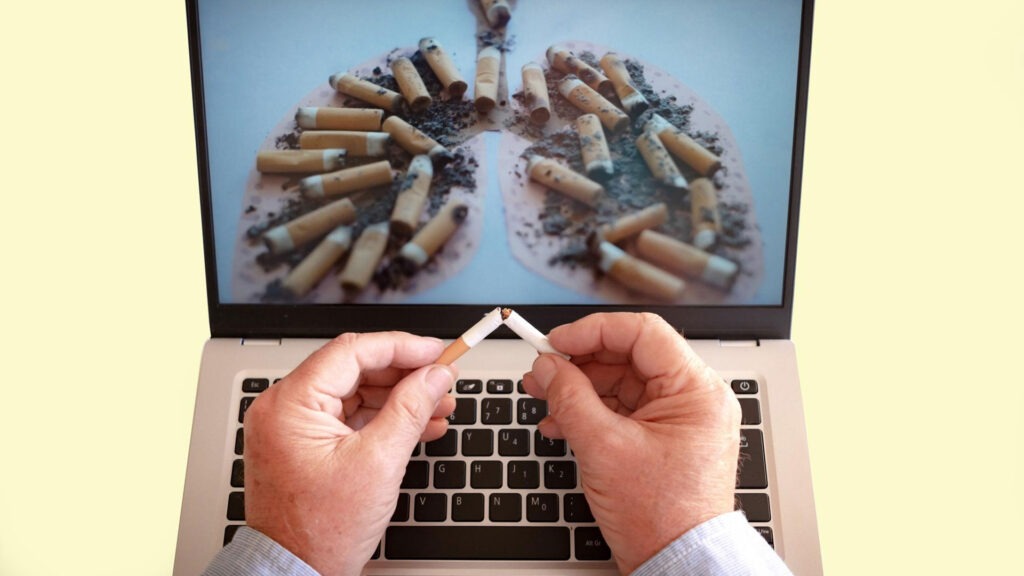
pixel 310 226
pixel 587 99
pixel 535 93
pixel 470 338
pixel 706 220
pixel 415 141
pixel 563 60
pixel 659 161
pixel 412 197
pixel 497 12
pixel 366 91
pixel 365 256
pixel 638 275
pixel 528 332
pixel 411 84
pixel 443 67
pixel 368 144
pixel 434 234
pixel 488 66
pixel 597 160
pixel 632 224
pixel 346 180
pixel 300 161
pixel 683 147
pixel 632 100
pixel 561 178
pixel 315 266
pixel 333 118
pixel 682 258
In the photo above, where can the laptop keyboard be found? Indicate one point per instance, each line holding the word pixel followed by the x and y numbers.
pixel 494 488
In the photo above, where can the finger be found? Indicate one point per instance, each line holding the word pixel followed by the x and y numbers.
pixel 550 429
pixel 436 428
pixel 573 403
pixel 404 417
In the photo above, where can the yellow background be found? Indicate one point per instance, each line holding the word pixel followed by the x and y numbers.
pixel 908 294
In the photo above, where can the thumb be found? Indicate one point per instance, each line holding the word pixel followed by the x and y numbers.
pixel 404 417
pixel 573 403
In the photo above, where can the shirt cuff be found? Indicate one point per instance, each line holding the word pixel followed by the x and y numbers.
pixel 724 545
pixel 252 553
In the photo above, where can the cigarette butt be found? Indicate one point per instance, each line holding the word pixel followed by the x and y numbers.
pixel 366 91
pixel 488 66
pixel 366 254
pixel 453 352
pixel 434 234
pixel 707 222
pixel 587 99
pixel 414 141
pixel 498 12
pixel 333 118
pixel 300 161
pixel 632 224
pixel 470 338
pixel 443 67
pixel 687 260
pixel 315 266
pixel 367 144
pixel 683 147
pixel 411 84
pixel 346 180
pixel 310 226
pixel 412 197
pixel 637 275
pixel 561 178
pixel 563 60
pixel 535 92
pixel 597 160
pixel 659 161
pixel 632 100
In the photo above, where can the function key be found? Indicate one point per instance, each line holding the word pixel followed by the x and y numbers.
pixel 469 386
pixel 744 386
pixel 499 386
pixel 519 387
pixel 255 385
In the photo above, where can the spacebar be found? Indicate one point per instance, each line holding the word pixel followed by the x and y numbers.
pixel 476 543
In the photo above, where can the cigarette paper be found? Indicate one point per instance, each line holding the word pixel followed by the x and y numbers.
pixel 412 197
pixel 497 12
pixel 535 93
pixel 587 99
pixel 488 66
pixel 659 161
pixel 684 147
pixel 333 118
pixel 563 60
pixel 310 226
pixel 315 266
pixel 366 91
pixel 706 220
pixel 637 275
pixel 434 234
pixel 415 141
pixel 470 338
pixel 366 144
pixel 443 67
pixel 632 100
pixel 347 180
pixel 527 332
pixel 365 256
pixel 597 160
pixel 300 161
pixel 561 178
pixel 682 258
pixel 411 84
pixel 632 224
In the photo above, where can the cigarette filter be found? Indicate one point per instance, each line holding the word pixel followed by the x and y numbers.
pixel 632 224
pixel 366 91
pixel 498 12
pixel 310 226
pixel 585 98
pixel 683 147
pixel 300 161
pixel 315 266
pixel 333 118
pixel 488 66
pixel 707 222
pixel 412 197
pixel 658 160
pixel 434 233
pixel 632 100
pixel 638 275
pixel 558 177
pixel 415 141
pixel 371 144
pixel 365 256
pixel 443 67
pixel 347 180
pixel 411 84
pixel 470 338
pixel 563 60
pixel 684 259
pixel 597 160
pixel 528 332
pixel 535 92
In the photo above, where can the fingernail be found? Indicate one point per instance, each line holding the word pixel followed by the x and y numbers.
pixel 440 379
pixel 543 371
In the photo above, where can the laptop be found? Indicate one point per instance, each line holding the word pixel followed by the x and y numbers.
pixel 397 165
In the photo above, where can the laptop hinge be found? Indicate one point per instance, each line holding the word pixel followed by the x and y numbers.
pixel 261 342
pixel 739 343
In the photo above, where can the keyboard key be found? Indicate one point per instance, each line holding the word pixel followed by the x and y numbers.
pixel 485 474
pixel 477 543
pixel 469 386
pixel 476 442
pixel 243 406
pixel 416 475
pixel 431 508
pixel 416 449
pixel 229 532
pixel 239 441
pixel 576 508
pixel 744 386
pixel 499 386
pixel 590 544
pixel 531 410
pixel 443 446
pixel 236 506
pixel 519 387
pixel 496 411
pixel 523 474
pixel 753 472
pixel 465 411
pixel 560 475
pixel 766 533
pixel 544 446
pixel 255 385
pixel 751 409
pixel 542 508
pixel 468 507
pixel 755 506
pixel 506 507
pixel 238 474
pixel 401 513
pixel 376 553
pixel 514 442
pixel 449 474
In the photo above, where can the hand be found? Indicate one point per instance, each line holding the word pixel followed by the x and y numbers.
pixel 326 448
pixel 654 429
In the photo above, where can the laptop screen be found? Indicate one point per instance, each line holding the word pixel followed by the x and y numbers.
pixel 557 153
